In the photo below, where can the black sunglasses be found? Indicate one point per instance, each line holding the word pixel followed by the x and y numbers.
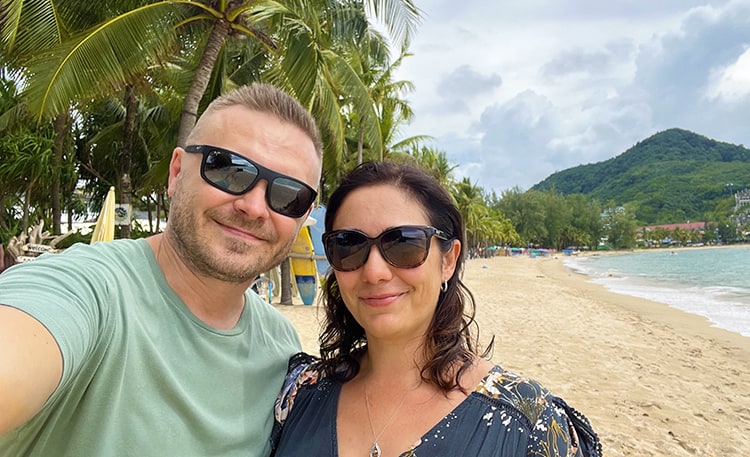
pixel 406 246
pixel 235 174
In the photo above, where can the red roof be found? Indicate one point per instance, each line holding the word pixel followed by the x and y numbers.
pixel 687 226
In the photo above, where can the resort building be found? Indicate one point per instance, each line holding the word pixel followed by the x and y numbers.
pixel 741 199
pixel 671 234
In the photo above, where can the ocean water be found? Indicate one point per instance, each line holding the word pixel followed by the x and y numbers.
pixel 711 282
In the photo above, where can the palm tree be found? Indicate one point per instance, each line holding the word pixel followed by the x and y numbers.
pixel 435 162
pixel 123 46
pixel 26 159
pixel 137 36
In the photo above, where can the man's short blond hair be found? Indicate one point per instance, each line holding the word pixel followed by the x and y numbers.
pixel 269 99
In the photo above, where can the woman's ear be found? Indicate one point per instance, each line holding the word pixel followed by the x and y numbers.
pixel 450 258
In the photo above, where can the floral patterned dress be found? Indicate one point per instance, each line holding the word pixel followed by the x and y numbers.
pixel 505 415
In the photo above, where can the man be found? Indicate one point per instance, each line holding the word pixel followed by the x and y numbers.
pixel 155 347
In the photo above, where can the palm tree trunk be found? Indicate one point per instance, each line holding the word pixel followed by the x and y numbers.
pixel 126 161
pixel 360 143
pixel 150 213
pixel 25 214
pixel 159 205
pixel 57 153
pixel 286 282
pixel 200 81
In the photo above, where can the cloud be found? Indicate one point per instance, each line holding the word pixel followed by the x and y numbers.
pixel 513 92
pixel 731 83
pixel 458 89
pixel 679 72
pixel 465 82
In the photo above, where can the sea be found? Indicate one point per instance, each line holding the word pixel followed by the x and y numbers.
pixel 710 282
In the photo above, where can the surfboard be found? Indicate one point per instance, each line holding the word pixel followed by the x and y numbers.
pixel 316 233
pixel 303 266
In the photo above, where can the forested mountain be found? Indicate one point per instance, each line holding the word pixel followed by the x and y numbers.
pixel 672 176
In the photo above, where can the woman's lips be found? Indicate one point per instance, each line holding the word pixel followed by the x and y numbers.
pixel 381 300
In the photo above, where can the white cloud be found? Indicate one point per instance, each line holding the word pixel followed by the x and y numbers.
pixel 731 84
pixel 514 91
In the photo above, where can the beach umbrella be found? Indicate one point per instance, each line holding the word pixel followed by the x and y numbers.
pixel 105 223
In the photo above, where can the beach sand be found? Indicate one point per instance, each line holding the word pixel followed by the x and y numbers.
pixel 653 380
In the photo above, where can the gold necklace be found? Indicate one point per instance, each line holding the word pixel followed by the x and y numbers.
pixel 375 449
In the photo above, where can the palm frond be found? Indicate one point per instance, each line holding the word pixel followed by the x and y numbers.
pixel 401 17
pixel 28 26
pixel 102 59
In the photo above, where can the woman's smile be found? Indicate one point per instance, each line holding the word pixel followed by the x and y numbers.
pixel 382 299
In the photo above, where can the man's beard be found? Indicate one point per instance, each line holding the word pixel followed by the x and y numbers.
pixel 233 261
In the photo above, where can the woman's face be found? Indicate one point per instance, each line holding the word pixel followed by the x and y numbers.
pixel 390 303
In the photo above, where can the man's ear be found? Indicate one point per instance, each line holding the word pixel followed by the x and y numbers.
pixel 175 165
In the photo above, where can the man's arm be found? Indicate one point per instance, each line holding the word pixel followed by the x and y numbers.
pixel 30 367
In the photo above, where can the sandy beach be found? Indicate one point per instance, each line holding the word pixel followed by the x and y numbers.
pixel 653 380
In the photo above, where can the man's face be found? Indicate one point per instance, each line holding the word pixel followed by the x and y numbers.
pixel 228 237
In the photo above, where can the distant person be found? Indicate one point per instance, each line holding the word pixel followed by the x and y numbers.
pixel 401 373
pixel 155 347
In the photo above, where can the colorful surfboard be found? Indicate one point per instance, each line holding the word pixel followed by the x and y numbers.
pixel 303 266
pixel 316 233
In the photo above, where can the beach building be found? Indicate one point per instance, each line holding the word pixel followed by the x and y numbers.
pixel 661 235
pixel 741 198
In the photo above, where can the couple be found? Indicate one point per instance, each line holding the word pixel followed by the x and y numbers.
pixel 156 347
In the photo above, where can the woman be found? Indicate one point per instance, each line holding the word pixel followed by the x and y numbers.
pixel 400 372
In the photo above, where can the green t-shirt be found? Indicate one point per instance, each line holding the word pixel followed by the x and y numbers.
pixel 142 376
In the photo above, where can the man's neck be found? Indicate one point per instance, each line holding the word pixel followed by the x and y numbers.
pixel 217 303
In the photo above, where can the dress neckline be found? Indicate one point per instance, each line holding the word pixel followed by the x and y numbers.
pixel 478 389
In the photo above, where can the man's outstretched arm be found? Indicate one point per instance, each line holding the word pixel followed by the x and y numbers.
pixel 30 367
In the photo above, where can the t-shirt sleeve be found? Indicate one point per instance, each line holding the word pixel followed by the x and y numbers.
pixel 64 292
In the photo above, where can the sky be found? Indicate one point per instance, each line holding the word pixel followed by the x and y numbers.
pixel 513 91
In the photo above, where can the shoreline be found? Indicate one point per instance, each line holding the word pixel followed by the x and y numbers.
pixel 652 379
pixel 724 305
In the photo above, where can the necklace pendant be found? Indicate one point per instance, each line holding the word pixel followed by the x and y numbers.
pixel 375 450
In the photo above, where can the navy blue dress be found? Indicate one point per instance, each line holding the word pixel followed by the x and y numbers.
pixel 505 415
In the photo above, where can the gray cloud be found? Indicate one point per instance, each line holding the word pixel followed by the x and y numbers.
pixel 674 72
pixel 581 81
pixel 590 63
pixel 465 82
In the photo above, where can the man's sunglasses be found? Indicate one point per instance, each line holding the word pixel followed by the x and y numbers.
pixel 406 246
pixel 235 174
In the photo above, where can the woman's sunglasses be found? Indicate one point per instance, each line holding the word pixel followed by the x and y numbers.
pixel 235 174
pixel 406 246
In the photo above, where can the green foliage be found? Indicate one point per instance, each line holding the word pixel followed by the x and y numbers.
pixel 550 219
pixel 619 226
pixel 673 176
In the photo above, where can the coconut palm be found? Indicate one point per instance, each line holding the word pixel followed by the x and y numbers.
pixel 137 36
pixel 108 55
pixel 435 162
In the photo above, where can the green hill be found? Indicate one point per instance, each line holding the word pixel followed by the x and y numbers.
pixel 672 176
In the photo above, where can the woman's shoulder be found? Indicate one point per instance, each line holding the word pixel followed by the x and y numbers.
pixel 532 400
pixel 502 385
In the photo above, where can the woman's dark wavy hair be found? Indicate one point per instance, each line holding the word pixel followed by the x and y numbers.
pixel 449 347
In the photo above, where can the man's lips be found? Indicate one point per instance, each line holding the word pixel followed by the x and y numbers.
pixel 239 232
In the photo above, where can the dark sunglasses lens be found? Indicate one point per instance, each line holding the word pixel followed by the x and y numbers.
pixel 289 197
pixel 347 251
pixel 405 247
pixel 230 172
